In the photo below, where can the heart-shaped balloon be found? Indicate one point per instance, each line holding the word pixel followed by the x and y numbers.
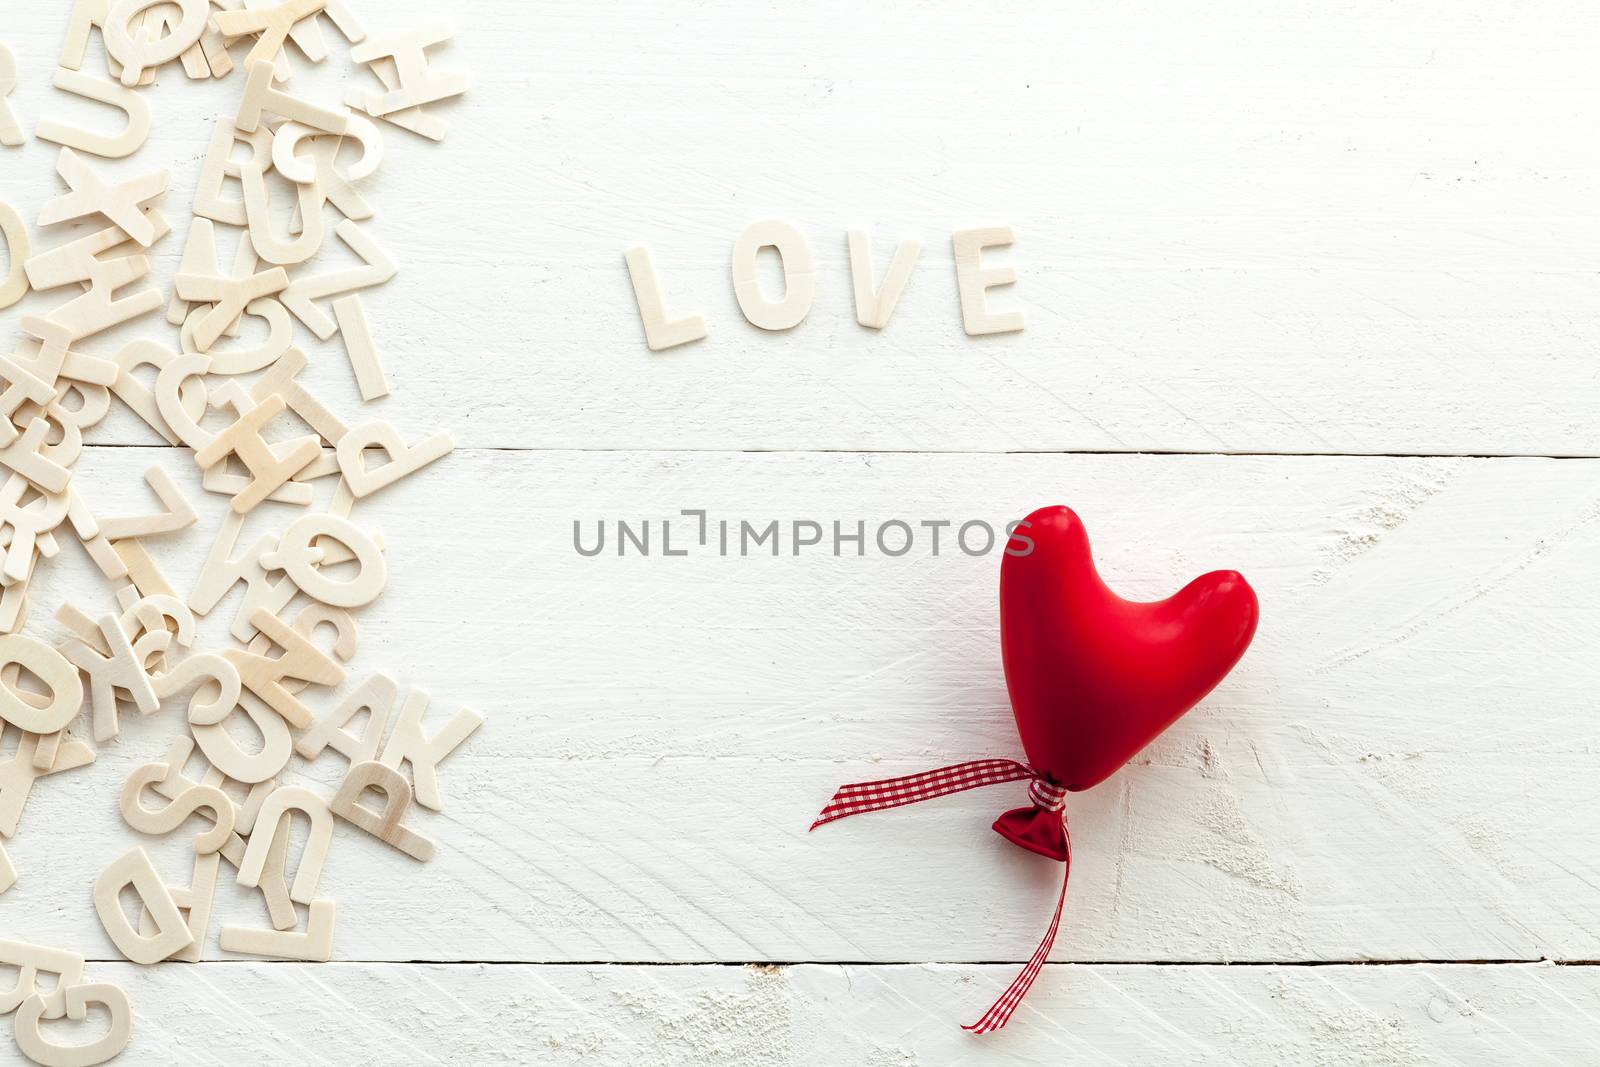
pixel 1094 678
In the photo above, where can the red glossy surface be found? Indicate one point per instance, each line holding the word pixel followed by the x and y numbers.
pixel 1094 678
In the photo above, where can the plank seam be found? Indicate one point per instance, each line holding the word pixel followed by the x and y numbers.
pixel 1242 454
pixel 1508 962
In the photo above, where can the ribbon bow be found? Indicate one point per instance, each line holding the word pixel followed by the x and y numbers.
pixel 1041 828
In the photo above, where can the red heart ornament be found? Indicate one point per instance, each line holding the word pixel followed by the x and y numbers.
pixel 1094 678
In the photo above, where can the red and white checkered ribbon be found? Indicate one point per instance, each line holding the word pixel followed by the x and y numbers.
pixel 911 788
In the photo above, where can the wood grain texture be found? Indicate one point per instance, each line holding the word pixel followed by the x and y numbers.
pixel 1290 227
pixel 1400 768
pixel 355 1014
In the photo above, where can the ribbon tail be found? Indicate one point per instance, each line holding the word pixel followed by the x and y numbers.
pixel 999 1012
pixel 914 788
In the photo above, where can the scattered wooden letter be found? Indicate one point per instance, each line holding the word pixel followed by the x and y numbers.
pixel 170 816
pixel 276 809
pixel 133 868
pixel 10 129
pixel 148 50
pixel 264 675
pixel 403 459
pixel 30 961
pixel 226 754
pixel 385 825
pixel 120 202
pixel 268 468
pixel 314 944
pixel 298 555
pixel 34 1045
pixel 376 696
pixel 179 514
pixel 408 744
pixel 58 676
pixel 194 904
pixel 14 234
pixel 358 346
pixel 419 82
pixel 132 136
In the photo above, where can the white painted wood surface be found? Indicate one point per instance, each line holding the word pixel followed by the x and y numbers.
pixel 1289 228
pixel 872 1016
pixel 1282 228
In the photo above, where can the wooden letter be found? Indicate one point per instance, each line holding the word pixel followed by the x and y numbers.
pixel 10 130
pixel 133 868
pixel 660 332
pixel 276 809
pixel 314 945
pixel 31 959
pixel 974 282
pixel 873 308
pixel 408 744
pixel 403 460
pixel 14 234
pixel 799 275
pixel 59 676
pixel 170 816
pixel 268 469
pixel 112 146
pixel 37 1048
pixel 376 696
pixel 385 825
pixel 264 676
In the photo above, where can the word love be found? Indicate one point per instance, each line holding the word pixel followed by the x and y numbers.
pixel 874 303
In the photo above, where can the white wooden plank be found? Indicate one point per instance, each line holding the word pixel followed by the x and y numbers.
pixel 1401 767
pixel 352 1014
pixel 1284 228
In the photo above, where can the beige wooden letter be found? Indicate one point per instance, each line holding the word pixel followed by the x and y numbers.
pixel 10 129
pixel 264 675
pixel 194 904
pixel 227 756
pixel 660 332
pixel 59 677
pixel 36 1047
pixel 799 274
pixel 133 869
pixel 127 141
pixel 873 307
pixel 975 282
pixel 403 459
pixel 385 825
pixel 408 744
pixel 121 669
pixel 376 696
pixel 121 202
pixel 260 97
pixel 299 552
pixel 268 468
pixel 32 959
pixel 148 51
pixel 221 573
pixel 419 82
pixel 14 234
pixel 274 810
pixel 209 202
pixel 170 816
pixel 314 944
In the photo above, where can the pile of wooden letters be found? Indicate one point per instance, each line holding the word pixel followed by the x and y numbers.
pixel 228 403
